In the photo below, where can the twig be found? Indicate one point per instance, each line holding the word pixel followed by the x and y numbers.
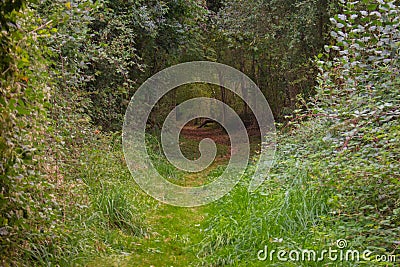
pixel 35 30
pixel 41 27
pixel 310 115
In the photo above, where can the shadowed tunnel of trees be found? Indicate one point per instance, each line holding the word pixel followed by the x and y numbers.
pixel 68 70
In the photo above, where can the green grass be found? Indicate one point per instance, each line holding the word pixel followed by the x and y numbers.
pixel 114 223
pixel 312 198
pixel 112 215
pixel 158 234
pixel 283 214
pixel 190 149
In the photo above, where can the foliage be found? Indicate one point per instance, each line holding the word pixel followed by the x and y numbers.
pixel 347 154
pixel 271 47
pixel 360 88
pixel 26 205
pixel 131 41
pixel 9 13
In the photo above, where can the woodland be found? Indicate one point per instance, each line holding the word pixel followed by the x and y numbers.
pixel 330 71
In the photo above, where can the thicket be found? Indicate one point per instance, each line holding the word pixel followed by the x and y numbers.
pixel 272 42
pixel 336 174
pixel 27 209
pixel 106 49
pixel 68 69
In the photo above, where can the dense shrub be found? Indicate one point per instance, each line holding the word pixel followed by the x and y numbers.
pixel 343 153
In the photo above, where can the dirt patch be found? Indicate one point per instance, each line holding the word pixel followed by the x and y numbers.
pixel 216 134
pixel 198 134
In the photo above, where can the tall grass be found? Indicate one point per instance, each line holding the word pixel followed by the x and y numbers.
pixel 313 197
pixel 277 216
pixel 106 218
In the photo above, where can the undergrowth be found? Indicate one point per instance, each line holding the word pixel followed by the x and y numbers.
pixel 336 174
pixel 313 197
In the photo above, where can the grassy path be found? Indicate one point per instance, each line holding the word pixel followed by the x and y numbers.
pixel 172 239
pixel 290 212
pixel 175 231
pixel 172 233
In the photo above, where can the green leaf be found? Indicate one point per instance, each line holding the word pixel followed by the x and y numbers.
pixel 372 7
